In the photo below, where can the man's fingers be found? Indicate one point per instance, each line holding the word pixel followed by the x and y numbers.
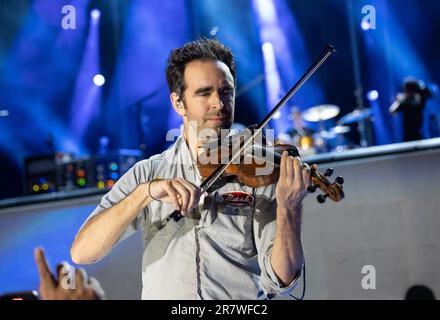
pixel 195 198
pixel 46 277
pixel 297 168
pixel 193 191
pixel 172 193
pixel 184 195
pixel 283 164
pixel 307 178
pixel 290 173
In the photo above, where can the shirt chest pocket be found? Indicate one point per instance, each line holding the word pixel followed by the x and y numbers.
pixel 232 227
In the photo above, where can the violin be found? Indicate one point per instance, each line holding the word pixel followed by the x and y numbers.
pixel 259 166
pixel 236 167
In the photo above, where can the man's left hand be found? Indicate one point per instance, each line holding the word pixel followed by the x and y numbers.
pixel 293 181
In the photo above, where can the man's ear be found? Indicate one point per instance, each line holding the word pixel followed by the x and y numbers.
pixel 177 103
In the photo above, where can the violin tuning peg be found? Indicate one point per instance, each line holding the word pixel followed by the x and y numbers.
pixel 321 198
pixel 339 180
pixel 311 188
pixel 328 172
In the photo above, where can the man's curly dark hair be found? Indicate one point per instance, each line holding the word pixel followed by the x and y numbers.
pixel 203 49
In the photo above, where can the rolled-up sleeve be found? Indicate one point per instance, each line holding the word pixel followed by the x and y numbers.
pixel 264 236
pixel 126 184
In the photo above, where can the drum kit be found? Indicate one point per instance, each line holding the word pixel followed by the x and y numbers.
pixel 325 140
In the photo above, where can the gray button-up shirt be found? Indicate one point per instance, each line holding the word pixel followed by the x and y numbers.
pixel 221 250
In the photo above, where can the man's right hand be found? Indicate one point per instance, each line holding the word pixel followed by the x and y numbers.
pixel 183 194
pixel 99 234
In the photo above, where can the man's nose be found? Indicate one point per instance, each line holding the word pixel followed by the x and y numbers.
pixel 216 101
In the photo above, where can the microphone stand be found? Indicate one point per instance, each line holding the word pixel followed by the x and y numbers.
pixel 358 92
pixel 138 105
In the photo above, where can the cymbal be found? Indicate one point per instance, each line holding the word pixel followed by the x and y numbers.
pixel 339 130
pixel 334 132
pixel 321 113
pixel 356 116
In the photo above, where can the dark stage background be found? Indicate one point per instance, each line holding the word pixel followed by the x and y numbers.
pixel 50 102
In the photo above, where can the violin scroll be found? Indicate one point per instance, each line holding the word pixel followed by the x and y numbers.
pixel 331 190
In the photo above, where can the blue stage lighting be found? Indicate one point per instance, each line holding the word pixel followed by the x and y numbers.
pixel 99 80
pixel 372 95
pixel 365 25
pixel 95 14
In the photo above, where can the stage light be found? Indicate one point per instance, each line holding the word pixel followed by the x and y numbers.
pixel 277 115
pixel 113 166
pixel 114 175
pixel 284 137
pixel 434 89
pixel 267 47
pixel 365 25
pixel 81 173
pixel 99 80
pixel 372 95
pixel 214 31
pixel 95 14
pixel 266 10
pixel 103 141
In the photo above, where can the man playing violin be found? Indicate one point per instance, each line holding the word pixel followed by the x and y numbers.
pixel 236 242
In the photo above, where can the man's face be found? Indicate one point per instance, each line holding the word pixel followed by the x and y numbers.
pixel 209 96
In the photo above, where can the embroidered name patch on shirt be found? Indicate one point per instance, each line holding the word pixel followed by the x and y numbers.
pixel 238 198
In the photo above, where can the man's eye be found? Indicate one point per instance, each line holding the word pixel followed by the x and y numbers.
pixel 227 92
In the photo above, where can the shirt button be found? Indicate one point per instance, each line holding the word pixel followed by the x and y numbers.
pixel 190 168
pixel 270 296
